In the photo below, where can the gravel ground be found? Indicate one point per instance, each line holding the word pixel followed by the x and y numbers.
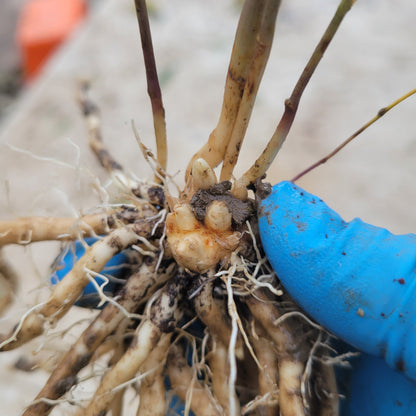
pixel 370 63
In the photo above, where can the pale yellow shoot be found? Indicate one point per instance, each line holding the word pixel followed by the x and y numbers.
pixel 203 175
pixel 218 217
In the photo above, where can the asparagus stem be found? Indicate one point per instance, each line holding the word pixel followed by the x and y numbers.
pixel 264 40
pixel 241 58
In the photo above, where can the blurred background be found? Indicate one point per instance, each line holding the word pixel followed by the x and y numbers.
pixel 46 167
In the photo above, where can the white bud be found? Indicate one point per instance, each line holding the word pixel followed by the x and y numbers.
pixel 202 174
pixel 239 190
pixel 218 217
pixel 185 218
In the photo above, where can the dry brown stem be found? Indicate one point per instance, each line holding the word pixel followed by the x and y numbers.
pixel 92 119
pixel 153 87
pixel 187 387
pixel 31 229
pixel 380 114
pixel 150 192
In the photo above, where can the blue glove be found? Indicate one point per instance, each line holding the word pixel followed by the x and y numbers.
pixel 356 280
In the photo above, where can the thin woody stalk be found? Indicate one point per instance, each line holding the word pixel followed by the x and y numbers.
pixel 92 118
pixel 91 114
pixel 380 114
pixel 260 166
pixel 153 87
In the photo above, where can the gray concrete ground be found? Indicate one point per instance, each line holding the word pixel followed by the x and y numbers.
pixel 47 169
pixel 9 55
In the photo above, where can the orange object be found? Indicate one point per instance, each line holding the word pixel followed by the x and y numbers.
pixel 43 25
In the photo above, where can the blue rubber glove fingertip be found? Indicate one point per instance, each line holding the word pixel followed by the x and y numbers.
pixel 353 278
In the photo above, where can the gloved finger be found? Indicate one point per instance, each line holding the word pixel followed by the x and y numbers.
pixel 113 273
pixel 370 387
pixel 355 279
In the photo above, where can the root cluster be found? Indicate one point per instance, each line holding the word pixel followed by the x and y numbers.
pixel 200 317
pixel 208 335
